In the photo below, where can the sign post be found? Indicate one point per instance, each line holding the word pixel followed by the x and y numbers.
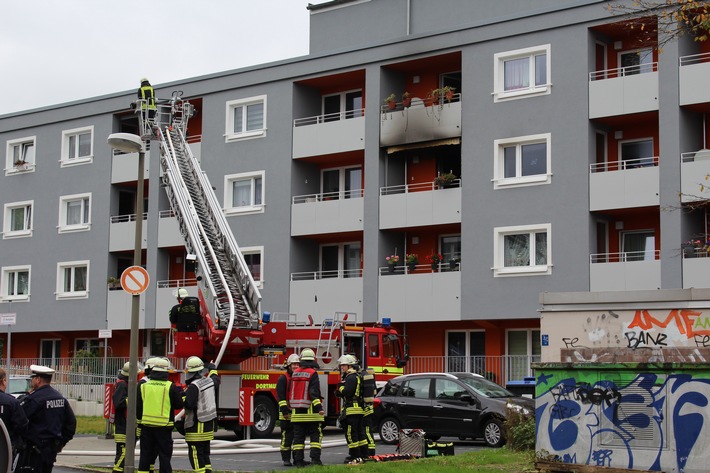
pixel 9 320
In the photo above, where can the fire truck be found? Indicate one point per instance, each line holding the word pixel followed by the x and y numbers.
pixel 234 330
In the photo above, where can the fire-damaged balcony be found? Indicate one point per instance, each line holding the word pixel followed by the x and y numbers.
pixel 624 184
pixel 422 120
pixel 323 293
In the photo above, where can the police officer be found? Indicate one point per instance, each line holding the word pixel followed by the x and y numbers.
pixel 200 400
pixel 12 415
pixel 51 422
pixel 349 390
pixel 282 388
pixel 186 313
pixel 306 409
pixel 117 416
pixel 157 400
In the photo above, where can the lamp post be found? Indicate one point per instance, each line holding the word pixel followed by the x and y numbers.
pixel 130 143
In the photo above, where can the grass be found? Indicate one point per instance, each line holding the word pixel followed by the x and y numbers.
pixel 90 425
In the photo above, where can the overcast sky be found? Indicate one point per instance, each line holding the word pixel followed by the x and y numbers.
pixel 54 51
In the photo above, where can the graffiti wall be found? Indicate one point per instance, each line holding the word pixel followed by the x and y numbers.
pixel 646 416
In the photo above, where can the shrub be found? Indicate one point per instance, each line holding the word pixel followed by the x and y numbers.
pixel 519 431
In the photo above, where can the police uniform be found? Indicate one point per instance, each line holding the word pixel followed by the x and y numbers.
pixel 307 421
pixel 51 423
pixel 157 400
pixel 200 400
pixel 13 416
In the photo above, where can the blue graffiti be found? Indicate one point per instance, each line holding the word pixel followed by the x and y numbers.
pixel 602 457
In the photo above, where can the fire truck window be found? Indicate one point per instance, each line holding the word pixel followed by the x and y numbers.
pixel 390 348
pixel 373 345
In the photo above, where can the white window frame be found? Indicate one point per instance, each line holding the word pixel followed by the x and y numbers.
pixel 229 193
pixel 499 179
pixel 229 133
pixel 60 293
pixel 5 281
pixel 68 160
pixel 499 59
pixel 256 250
pixel 499 270
pixel 30 160
pixel 7 231
pixel 341 271
pixel 63 226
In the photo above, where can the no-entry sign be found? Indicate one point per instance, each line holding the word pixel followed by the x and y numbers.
pixel 135 280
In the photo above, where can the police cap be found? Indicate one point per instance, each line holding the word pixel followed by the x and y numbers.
pixel 41 371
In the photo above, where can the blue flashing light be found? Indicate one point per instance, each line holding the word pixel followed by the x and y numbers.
pixel 386 322
pixel 266 317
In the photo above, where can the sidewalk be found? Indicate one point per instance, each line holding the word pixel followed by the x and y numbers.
pixel 75 452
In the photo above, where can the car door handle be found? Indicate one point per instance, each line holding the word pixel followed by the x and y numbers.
pixel 438 406
pixel 401 403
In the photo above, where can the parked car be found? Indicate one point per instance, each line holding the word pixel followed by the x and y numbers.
pixel 18 385
pixel 463 405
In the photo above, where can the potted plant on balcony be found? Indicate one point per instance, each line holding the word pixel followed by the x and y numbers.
pixel 434 259
pixel 434 96
pixel 392 261
pixel 448 92
pixel 454 264
pixel 412 260
pixel 406 99
pixel 391 101
pixel 113 283
pixel 444 180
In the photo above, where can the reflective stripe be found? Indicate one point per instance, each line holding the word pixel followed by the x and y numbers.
pixel 390 370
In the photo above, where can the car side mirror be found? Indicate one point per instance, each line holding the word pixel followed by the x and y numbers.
pixel 467 398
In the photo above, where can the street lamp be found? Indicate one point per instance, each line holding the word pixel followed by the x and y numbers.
pixel 130 143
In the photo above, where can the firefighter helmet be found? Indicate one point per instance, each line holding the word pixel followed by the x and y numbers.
pixel 292 358
pixel 308 355
pixel 125 371
pixel 182 293
pixel 194 363
pixel 347 360
pixel 161 364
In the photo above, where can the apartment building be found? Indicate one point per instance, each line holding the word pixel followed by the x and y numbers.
pixel 567 156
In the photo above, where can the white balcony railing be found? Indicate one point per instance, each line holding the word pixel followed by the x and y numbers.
pixel 623 90
pixel 329 134
pixel 624 184
pixel 329 212
pixel 694 172
pixel 623 71
pixel 327 196
pixel 625 271
pixel 696 267
pixel 624 165
pixel 323 293
pixel 420 204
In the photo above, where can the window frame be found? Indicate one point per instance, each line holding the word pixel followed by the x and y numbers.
pixel 5 281
pixel 7 231
pixel 10 167
pixel 342 192
pixel 73 294
pixel 499 60
pixel 66 160
pixel 499 179
pixel 640 162
pixel 343 113
pixel 341 272
pixel 230 134
pixel 499 234
pixel 256 250
pixel 230 179
pixel 93 343
pixel 636 69
pixel 64 226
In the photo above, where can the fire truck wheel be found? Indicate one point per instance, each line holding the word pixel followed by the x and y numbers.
pixel 265 416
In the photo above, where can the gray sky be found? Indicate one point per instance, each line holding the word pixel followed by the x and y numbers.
pixel 54 51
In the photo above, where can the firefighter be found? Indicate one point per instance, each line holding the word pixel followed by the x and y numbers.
pixel 118 416
pixel 200 400
pixel 186 313
pixel 157 400
pixel 306 409
pixel 146 93
pixel 282 388
pixel 51 423
pixel 349 389
pixel 368 387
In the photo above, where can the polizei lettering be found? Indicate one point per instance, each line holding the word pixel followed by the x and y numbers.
pixel 54 403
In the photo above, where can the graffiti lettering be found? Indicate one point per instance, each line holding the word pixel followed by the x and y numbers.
pixel 646 339
pixel 602 457
pixel 588 395
pixel 684 320
pixel 702 341
pixel 572 343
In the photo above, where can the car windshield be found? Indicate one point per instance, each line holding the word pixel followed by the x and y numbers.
pixel 486 388
pixel 18 385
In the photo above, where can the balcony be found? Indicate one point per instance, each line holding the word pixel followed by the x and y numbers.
pixel 694 169
pixel 329 134
pixel 169 230
pixel 332 212
pixel 323 293
pixel 629 271
pixel 693 76
pixel 696 267
pixel 422 121
pixel 122 232
pixel 124 167
pixel 118 310
pixel 625 184
pixel 623 90
pixel 420 204
pixel 417 296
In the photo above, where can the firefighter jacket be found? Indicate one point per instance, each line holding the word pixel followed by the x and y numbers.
pixel 186 315
pixel 157 401
pixel 282 387
pixel 119 404
pixel 201 407
pixel 349 390
pixel 51 418
pixel 368 388
pixel 304 394
pixel 147 93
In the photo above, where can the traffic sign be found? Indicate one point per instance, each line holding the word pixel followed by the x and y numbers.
pixel 135 280
pixel 105 333
pixel 8 319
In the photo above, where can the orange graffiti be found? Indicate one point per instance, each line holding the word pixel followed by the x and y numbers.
pixel 684 320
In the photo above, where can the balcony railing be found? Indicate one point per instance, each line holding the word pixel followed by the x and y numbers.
pixel 127 218
pixel 329 117
pixel 694 59
pixel 623 71
pixel 444 267
pixel 623 257
pixel 336 273
pixel 327 196
pixel 176 283
pixel 416 103
pixel 624 165
pixel 417 187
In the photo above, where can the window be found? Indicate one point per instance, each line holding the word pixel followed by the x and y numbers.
pixel 73 279
pixel 89 345
pixel 345 257
pixel 75 213
pixel 18 219
pixel 522 73
pixel 638 245
pixel 636 62
pixel 417 388
pixel 637 153
pixel 246 118
pixel 49 351
pixel 523 348
pixel 522 161
pixel 20 155
pixel 466 351
pixel 340 183
pixel 77 146
pixel 254 257
pixel 15 283
pixel 522 250
pixel 348 102
pixel 244 193
pixel 450 249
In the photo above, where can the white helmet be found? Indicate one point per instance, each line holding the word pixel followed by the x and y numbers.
pixel 308 355
pixel 182 293
pixel 194 364
pixel 161 364
pixel 347 360
pixel 293 358
pixel 125 371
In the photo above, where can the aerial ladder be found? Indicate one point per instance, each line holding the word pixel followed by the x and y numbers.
pixel 229 298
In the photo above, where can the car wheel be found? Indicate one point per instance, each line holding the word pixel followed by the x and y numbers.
pixel 389 430
pixel 462 437
pixel 493 433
